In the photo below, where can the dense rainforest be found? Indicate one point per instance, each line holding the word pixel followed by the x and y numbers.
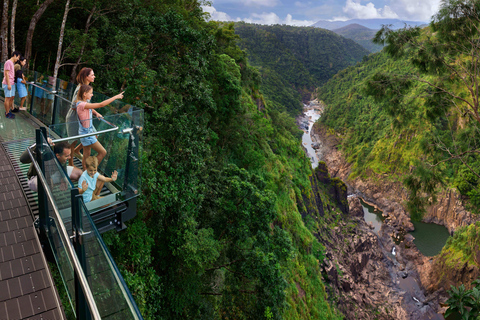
pixel 226 185
pixel 396 121
pixel 410 114
pixel 294 61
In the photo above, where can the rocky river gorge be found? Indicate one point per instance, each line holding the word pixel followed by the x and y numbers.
pixel 377 271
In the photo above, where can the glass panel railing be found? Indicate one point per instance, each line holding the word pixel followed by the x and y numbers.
pixel 53 189
pixel 111 295
pixel 91 278
pixel 123 147
pixel 50 101
pixel 59 187
pixel 57 179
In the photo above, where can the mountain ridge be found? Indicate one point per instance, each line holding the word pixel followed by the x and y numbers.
pixel 296 59
pixel 374 24
pixel 361 35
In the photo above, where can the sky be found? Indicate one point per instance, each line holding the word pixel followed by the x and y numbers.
pixel 306 13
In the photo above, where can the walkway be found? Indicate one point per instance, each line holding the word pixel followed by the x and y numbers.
pixel 27 290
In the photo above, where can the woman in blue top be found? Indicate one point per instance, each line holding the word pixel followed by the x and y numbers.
pixel 21 82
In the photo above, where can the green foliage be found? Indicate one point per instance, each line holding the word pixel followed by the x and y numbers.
pixel 465 302
pixel 462 247
pixel 422 183
pixel 378 138
pixel 133 254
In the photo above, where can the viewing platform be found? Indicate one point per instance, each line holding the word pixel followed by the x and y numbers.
pixel 55 222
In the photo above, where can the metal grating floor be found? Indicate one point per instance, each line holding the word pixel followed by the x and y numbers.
pixel 14 150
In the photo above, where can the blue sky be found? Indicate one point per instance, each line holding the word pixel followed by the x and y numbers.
pixel 305 13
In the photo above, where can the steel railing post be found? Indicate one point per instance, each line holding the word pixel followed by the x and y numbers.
pixel 33 92
pixel 42 198
pixel 81 306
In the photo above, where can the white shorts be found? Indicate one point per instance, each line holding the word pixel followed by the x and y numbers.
pixel 32 182
pixel 69 171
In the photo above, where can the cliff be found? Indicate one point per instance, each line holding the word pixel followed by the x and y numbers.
pixel 354 265
pixel 361 275
pixel 435 274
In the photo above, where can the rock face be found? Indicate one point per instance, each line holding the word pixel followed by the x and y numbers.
pixel 364 279
pixel 408 266
pixel 449 211
pixel 358 270
pixel 371 284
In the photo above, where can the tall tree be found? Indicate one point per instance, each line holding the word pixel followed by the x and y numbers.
pixel 60 42
pixel 12 25
pixel 88 24
pixel 4 31
pixel 33 23
pixel 84 49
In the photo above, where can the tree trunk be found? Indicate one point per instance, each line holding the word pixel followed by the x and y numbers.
pixel 73 75
pixel 4 31
pixel 33 24
pixel 60 44
pixel 12 26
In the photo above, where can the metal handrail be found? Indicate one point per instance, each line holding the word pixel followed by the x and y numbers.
pixel 70 251
pixel 87 134
pixel 54 92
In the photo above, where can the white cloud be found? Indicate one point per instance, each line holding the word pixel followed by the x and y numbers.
pixel 355 10
pixel 416 10
pixel 261 3
pixel 421 10
pixel 216 15
pixel 262 18
pixel 272 18
pixel 299 23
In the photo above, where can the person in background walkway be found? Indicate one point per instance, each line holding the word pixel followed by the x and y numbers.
pixel 62 152
pixel 91 182
pixel 20 82
pixel 8 83
pixel 85 76
pixel 39 96
pixel 48 102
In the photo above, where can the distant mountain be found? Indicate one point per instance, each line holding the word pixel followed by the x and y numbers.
pixel 293 61
pixel 375 24
pixel 361 35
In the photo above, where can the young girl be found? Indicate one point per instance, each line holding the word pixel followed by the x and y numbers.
pixel 91 182
pixel 85 76
pixel 84 112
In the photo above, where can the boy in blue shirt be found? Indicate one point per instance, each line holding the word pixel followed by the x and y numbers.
pixel 91 182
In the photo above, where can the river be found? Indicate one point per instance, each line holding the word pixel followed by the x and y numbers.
pixel 312 114
pixel 429 238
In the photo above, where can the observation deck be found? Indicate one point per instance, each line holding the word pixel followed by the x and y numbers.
pixel 57 218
